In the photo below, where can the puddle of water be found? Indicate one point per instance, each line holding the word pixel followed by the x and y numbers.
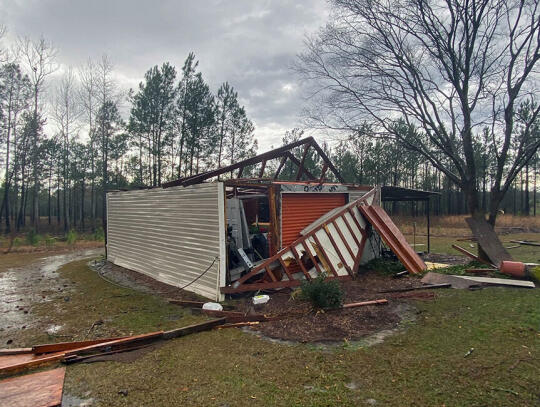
pixel 69 400
pixel 54 329
pixel 24 286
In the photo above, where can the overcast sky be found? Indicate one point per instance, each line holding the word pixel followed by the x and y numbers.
pixel 249 43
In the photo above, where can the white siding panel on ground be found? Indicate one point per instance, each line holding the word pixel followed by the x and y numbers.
pixel 172 235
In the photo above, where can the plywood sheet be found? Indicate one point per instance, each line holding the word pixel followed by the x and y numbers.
pixel 488 240
pixel 43 389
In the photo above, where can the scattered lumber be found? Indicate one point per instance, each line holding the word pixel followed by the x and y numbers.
pixel 453 280
pixel 16 360
pixel 469 254
pixel 364 303
pixel 74 359
pixel 424 287
pixel 526 242
pixel 190 329
pixel 17 363
pixel 43 389
pixel 488 240
pixel 15 351
pixel 63 346
pixel 234 316
pixel 116 343
pixel 500 281
pixel 401 274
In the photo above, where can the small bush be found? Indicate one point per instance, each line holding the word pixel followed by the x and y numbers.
pixel 17 242
pixel 323 294
pixel 32 238
pixel 384 266
pixel 71 237
pixel 49 240
pixel 99 235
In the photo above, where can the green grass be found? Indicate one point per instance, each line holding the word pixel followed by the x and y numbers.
pixel 423 365
pixel 443 244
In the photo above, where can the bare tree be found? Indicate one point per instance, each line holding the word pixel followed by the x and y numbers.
pixel 445 68
pixel 88 76
pixel 66 113
pixel 39 57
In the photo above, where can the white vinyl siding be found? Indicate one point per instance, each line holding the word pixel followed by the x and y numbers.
pixel 172 235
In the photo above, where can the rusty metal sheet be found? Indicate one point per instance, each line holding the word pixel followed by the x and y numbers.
pixel 43 389
pixel 393 237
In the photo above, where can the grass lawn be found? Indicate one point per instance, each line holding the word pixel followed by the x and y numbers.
pixel 443 244
pixel 423 365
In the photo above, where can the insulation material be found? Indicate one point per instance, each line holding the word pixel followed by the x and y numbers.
pixel 172 235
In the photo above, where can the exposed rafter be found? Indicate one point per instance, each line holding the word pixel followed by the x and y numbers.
pixel 284 153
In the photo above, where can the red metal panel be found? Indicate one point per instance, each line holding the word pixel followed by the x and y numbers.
pixel 300 210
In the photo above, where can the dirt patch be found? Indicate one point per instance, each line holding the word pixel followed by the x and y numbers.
pixel 299 322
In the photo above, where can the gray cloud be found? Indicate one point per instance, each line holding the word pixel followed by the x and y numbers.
pixel 251 44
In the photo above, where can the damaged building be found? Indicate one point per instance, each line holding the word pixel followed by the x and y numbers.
pixel 216 236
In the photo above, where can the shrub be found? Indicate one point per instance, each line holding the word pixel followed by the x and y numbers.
pixel 322 293
pixel 99 234
pixel 49 240
pixel 71 237
pixel 32 238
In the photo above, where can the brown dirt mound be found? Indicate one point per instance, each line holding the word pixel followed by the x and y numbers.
pixel 299 322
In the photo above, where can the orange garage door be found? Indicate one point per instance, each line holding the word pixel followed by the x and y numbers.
pixel 300 210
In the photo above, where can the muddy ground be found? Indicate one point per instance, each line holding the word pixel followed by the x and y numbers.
pixel 23 288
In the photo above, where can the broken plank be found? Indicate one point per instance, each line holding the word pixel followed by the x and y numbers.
pixel 12 364
pixel 43 389
pixel 455 281
pixel 234 317
pixel 74 358
pixel 364 303
pixel 425 287
pixel 190 329
pixel 501 281
pixel 63 346
pixel 106 346
pixel 469 254
pixel 15 351
pixel 525 242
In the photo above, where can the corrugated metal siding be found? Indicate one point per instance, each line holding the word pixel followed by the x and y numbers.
pixel 298 210
pixel 172 235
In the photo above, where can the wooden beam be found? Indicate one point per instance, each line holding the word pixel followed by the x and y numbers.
pixel 280 167
pixel 302 162
pixel 274 219
pixel 263 166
